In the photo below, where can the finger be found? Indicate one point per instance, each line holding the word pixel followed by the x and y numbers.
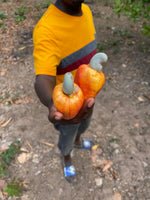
pixel 58 116
pixel 90 102
pixel 54 115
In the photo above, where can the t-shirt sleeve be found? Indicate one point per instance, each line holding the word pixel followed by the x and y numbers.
pixel 46 51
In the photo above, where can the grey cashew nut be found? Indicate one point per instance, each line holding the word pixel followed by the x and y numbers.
pixel 68 84
pixel 97 60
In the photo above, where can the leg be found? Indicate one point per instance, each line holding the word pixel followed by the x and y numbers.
pixel 82 128
pixel 66 142
pixel 67 137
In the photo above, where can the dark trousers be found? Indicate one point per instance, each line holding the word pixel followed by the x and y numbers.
pixel 68 134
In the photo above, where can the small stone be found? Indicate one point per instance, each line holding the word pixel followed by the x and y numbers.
pixel 35 159
pixel 99 182
pixel 145 164
pixel 37 173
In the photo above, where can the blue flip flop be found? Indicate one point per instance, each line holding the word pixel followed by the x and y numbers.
pixel 86 144
pixel 70 173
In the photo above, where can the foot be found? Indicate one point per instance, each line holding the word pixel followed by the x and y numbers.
pixel 69 170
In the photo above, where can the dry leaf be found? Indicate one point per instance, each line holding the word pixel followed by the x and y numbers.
pixel 95 146
pixel 147 96
pixel 107 166
pixel 24 150
pixel 19 101
pixel 4 147
pixel 29 145
pixel 48 144
pixel 22 158
pixel 6 123
pixel 117 196
pixel 95 153
pixel 140 99
pixel 21 48
pixel 102 162
pixel 114 174
pixel 1 122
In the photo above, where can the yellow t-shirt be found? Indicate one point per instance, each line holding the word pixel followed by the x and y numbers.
pixel 63 42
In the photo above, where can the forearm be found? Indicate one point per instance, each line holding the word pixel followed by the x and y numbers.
pixel 44 86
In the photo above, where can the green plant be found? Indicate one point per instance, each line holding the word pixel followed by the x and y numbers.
pixel 9 154
pixel 3 28
pixel 43 5
pixel 39 15
pixel 125 33
pixel 135 10
pixel 2 15
pixel 3 171
pixel 4 0
pixel 114 140
pixel 101 46
pixel 20 13
pixel 13 190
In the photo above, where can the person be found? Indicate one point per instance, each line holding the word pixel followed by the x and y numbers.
pixel 64 38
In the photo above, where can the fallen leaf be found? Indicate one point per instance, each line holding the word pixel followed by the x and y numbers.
pixel 4 147
pixel 6 123
pixel 24 150
pixel 21 48
pixel 19 101
pixel 117 196
pixel 95 153
pixel 1 122
pixel 48 144
pixel 140 99
pixel 29 145
pixel 102 162
pixel 22 158
pixel 107 166
pixel 114 174
pixel 147 96
pixel 95 146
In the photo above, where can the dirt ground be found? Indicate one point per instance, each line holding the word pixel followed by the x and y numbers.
pixel 120 123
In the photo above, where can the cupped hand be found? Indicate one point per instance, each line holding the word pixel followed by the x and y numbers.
pixel 85 111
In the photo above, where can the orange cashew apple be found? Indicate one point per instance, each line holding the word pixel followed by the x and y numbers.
pixel 68 97
pixel 90 78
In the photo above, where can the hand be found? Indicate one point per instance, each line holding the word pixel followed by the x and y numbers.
pixel 85 111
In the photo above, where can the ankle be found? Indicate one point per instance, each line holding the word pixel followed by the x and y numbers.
pixel 67 160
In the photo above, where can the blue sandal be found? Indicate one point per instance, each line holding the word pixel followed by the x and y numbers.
pixel 70 174
pixel 86 144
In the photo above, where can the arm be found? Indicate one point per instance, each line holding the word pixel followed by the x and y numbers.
pixel 44 85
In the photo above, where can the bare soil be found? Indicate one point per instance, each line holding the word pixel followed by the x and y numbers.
pixel 120 123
